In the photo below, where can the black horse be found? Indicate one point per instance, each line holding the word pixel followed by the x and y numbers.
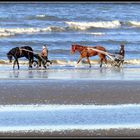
pixel 17 52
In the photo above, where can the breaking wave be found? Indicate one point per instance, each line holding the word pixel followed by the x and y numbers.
pixel 131 23
pixel 4 32
pixel 133 61
pixel 70 26
pixel 101 24
pixel 134 23
pixel 74 62
pixel 14 31
pixel 88 25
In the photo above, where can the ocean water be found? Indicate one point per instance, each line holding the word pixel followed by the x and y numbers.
pixel 59 25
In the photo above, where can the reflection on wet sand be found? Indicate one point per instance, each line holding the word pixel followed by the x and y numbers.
pixel 28 74
pixel 64 72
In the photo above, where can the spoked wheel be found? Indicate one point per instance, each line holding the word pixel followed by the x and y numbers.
pixel 34 64
pixel 117 64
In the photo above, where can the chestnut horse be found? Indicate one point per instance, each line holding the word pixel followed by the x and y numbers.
pixel 86 52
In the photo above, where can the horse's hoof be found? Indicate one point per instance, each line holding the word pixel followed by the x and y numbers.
pixel 45 67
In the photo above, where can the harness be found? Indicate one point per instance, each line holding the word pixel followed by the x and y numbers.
pixel 38 54
pixel 20 51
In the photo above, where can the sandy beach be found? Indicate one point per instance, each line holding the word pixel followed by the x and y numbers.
pixel 70 85
pixel 69 92
pixel 112 133
pixel 62 86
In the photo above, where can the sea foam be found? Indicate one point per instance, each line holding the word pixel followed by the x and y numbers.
pixel 73 63
pixel 87 25
pixel 134 23
pixel 14 31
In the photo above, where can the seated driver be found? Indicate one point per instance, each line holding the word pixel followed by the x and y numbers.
pixel 44 52
pixel 43 56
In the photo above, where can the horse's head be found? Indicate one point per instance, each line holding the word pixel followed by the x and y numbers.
pixel 9 56
pixel 73 49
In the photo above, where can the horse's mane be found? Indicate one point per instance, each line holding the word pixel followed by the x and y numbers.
pixel 11 52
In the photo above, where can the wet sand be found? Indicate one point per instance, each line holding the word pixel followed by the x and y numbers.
pixel 69 92
pixel 112 133
pixel 66 89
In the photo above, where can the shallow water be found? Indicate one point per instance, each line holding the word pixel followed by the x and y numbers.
pixel 82 72
pixel 68 117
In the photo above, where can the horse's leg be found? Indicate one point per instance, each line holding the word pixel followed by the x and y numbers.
pixel 44 62
pixel 89 62
pixel 105 60
pixel 79 59
pixel 30 58
pixel 49 61
pixel 14 64
pixel 102 58
pixel 39 60
pixel 17 63
pixel 101 62
pixel 30 63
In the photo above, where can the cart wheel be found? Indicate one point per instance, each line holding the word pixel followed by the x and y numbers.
pixel 35 64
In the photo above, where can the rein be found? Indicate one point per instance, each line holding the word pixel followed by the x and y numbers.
pixel 26 50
